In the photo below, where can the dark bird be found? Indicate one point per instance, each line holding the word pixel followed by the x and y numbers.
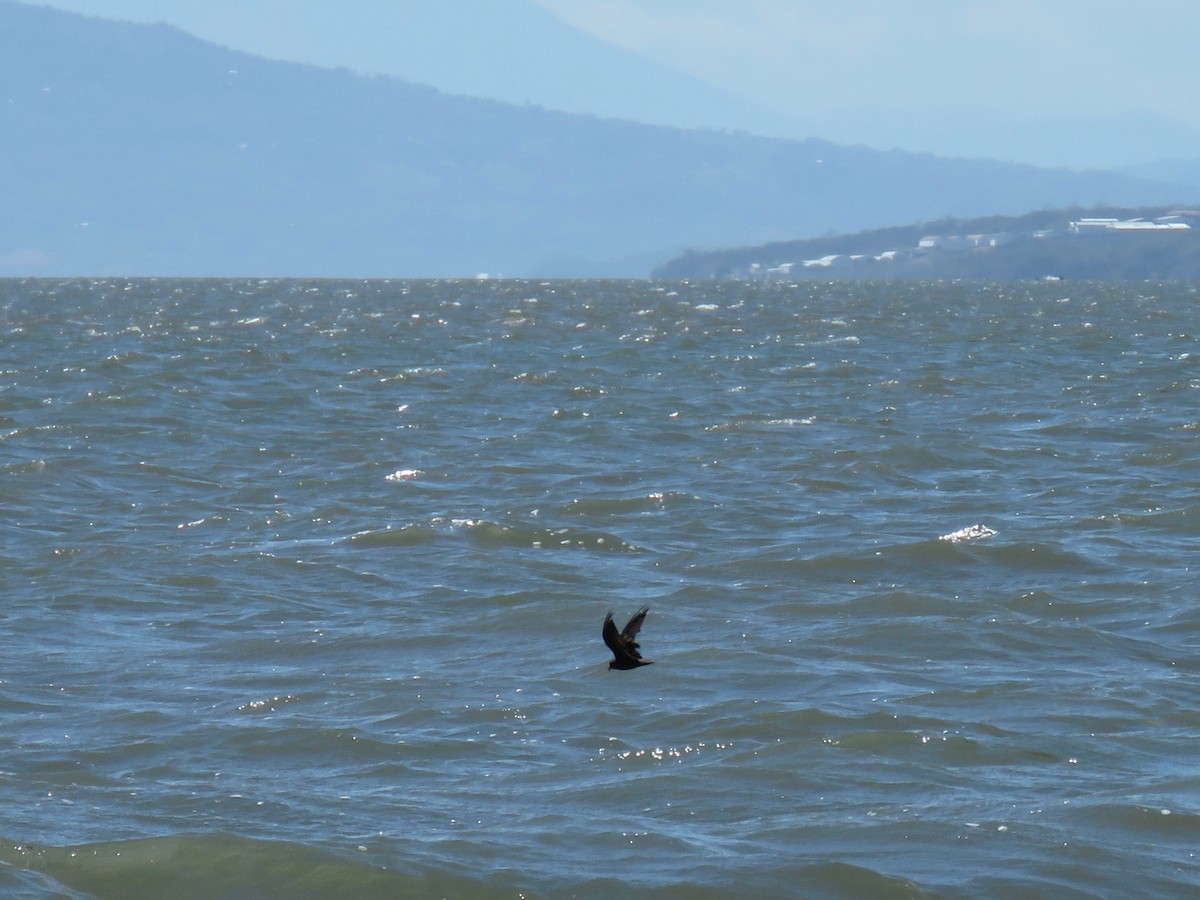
pixel 623 643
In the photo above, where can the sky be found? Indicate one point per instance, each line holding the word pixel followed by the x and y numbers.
pixel 1043 58
pixel 1080 83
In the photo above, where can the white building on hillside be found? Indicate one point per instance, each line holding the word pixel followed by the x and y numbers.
pixel 1105 226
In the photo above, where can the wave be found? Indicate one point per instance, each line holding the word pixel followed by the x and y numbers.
pixel 496 534
pixel 226 865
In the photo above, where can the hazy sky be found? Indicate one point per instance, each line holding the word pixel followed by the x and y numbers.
pixel 1037 57
pixel 1056 82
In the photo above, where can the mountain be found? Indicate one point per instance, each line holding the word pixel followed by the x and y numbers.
pixel 518 52
pixel 1178 171
pixel 137 149
pixel 513 51
pixel 1114 141
pixel 1149 243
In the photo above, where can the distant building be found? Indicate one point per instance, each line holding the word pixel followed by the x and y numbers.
pixel 1106 226
pixel 1085 227
pixel 1139 225
pixel 832 261
pixel 999 239
pixel 954 242
pixel 988 241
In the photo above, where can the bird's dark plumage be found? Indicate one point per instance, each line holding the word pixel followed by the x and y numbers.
pixel 624 643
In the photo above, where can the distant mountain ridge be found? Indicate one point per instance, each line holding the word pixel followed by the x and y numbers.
pixel 519 52
pixel 136 149
pixel 429 42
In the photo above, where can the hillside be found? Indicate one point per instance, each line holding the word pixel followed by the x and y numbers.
pixel 571 70
pixel 1036 245
pixel 136 149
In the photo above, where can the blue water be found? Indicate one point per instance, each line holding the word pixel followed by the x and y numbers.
pixel 303 583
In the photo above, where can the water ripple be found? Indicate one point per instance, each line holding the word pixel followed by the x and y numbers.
pixel 307 579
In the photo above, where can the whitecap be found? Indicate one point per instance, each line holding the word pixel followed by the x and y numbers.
pixel 970 533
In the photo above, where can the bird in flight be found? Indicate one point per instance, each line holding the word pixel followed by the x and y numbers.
pixel 624 643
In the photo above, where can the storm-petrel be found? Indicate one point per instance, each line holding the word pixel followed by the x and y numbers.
pixel 623 644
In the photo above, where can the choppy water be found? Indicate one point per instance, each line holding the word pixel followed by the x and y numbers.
pixel 302 586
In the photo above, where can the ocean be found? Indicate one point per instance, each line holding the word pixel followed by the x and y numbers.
pixel 303 585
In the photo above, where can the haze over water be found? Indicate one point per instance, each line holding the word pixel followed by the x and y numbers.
pixel 303 584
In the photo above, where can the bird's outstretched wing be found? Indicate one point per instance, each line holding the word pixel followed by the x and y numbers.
pixel 632 627
pixel 612 637
pixel 624 649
